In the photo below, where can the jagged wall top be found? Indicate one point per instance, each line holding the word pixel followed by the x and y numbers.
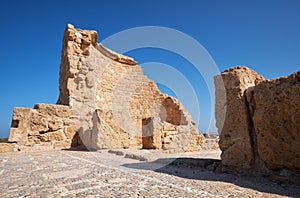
pixel 77 45
pixel 109 97
pixel 88 37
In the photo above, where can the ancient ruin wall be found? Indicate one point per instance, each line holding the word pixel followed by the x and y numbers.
pixel 261 125
pixel 45 125
pixel 276 122
pixel 110 96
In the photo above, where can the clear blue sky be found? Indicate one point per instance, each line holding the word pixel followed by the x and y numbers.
pixel 264 35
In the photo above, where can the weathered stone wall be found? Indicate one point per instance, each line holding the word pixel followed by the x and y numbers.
pixel 110 96
pixel 276 119
pixel 235 138
pixel 104 98
pixel 45 125
pixel 258 120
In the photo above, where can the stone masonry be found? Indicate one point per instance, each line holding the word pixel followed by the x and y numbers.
pixel 112 104
pixel 258 120
pixel 45 125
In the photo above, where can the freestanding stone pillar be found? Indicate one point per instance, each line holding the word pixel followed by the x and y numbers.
pixel 232 115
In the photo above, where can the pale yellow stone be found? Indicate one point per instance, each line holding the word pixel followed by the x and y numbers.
pixel 70 131
pixel 105 96
pixel 6 147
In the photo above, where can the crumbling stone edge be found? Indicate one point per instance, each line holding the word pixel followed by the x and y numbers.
pixel 258 123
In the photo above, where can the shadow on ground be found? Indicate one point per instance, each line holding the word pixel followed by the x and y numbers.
pixel 207 170
pixel 78 148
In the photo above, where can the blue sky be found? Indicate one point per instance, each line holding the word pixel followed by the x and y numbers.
pixel 263 35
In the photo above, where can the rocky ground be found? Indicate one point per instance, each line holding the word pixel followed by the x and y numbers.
pixel 67 173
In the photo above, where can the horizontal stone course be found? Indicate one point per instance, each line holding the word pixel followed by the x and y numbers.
pixel 44 123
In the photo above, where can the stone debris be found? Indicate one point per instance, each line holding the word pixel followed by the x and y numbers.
pixel 258 121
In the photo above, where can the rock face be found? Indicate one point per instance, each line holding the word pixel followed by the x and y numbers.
pixel 112 103
pixel 46 125
pixel 276 121
pixel 258 120
pixel 235 139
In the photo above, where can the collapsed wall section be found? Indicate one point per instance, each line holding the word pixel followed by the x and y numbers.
pixel 260 128
pixel 45 125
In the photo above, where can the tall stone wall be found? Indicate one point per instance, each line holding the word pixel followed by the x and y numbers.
pixel 258 120
pixel 104 101
pixel 110 96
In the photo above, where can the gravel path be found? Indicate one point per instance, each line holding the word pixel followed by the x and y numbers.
pixel 61 173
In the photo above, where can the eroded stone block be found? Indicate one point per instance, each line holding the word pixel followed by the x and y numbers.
pixel 232 115
pixel 6 147
pixel 258 120
pixel 20 127
pixel 276 121
pixel 61 111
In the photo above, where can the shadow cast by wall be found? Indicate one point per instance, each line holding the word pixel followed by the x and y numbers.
pixel 209 170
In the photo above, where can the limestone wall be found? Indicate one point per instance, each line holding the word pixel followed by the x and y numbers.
pixel 258 120
pixel 110 96
pixel 104 98
pixel 276 119
pixel 103 102
pixel 45 125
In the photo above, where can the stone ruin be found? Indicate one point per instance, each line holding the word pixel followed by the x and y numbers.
pixel 45 125
pixel 105 102
pixel 258 121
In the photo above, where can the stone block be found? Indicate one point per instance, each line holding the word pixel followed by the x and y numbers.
pixel 276 121
pixel 169 127
pixel 70 131
pixel 169 133
pixel 53 136
pixel 166 139
pixel 55 123
pixel 6 147
pixel 38 123
pixel 20 126
pixel 261 120
pixel 68 122
pixel 62 144
pixel 62 111
pixel 232 115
